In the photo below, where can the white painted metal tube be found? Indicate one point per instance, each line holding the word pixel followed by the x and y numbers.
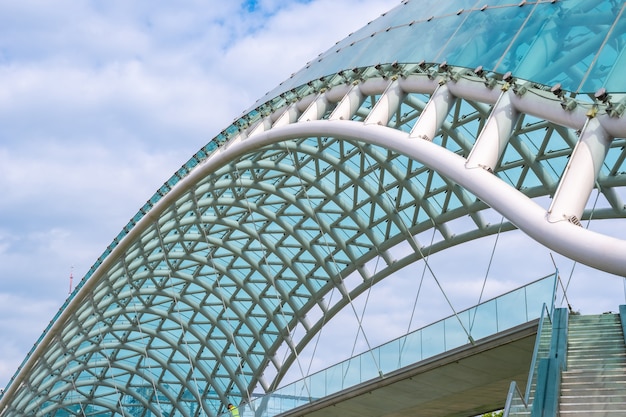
pixel 495 135
pixel 581 172
pixel 434 114
pixel 386 105
pixel 316 110
pixel 290 115
pixel 348 105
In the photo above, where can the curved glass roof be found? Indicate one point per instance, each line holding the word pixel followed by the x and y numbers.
pixel 577 43
pixel 244 252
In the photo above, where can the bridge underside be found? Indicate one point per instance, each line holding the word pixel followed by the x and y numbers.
pixel 470 380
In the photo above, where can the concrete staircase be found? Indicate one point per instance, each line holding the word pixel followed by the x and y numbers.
pixel 594 383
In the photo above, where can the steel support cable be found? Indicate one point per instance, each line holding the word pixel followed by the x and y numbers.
pixel 419 290
pixel 409 237
pixel 482 290
pixel 427 264
pixel 330 253
pixel 569 279
pixel 269 267
pixel 356 337
pixel 138 323
pixel 222 299
pixel 177 308
pixel 318 337
pixel 371 284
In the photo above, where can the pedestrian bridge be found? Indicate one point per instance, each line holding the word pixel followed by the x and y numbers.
pixel 462 365
pixel 372 158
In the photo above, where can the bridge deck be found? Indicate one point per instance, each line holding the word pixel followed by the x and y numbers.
pixel 467 381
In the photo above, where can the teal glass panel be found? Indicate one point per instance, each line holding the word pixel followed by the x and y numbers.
pixel 483 320
pixel 455 331
pixel 442 8
pixel 512 310
pixel 491 31
pixel 540 45
pixel 411 349
pixel 351 373
pixel 334 378
pixel 345 371
pixel 433 341
pixel 315 387
pixel 389 356
pixel 539 293
pixel 608 68
pixel 421 41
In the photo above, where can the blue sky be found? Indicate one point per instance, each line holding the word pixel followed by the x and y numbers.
pixel 100 102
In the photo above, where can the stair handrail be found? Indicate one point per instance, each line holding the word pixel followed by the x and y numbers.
pixel 514 391
pixel 531 374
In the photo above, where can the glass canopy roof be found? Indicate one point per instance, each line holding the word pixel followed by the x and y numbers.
pixel 577 43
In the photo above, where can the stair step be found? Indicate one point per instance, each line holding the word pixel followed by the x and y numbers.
pixel 594 413
pixel 601 399
pixel 598 363
pixel 596 338
pixel 608 335
pixel 599 381
pixel 584 392
pixel 604 344
pixel 594 383
pixel 593 317
pixel 567 378
pixel 594 406
pixel 590 365
pixel 593 338
pixel 584 337
pixel 615 351
pixel 612 359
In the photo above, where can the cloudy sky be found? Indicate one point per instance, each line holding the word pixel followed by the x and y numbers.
pixel 101 101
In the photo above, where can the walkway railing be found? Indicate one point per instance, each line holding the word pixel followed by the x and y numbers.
pixel 516 402
pixel 498 314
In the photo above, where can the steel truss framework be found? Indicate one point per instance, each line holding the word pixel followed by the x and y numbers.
pixel 240 258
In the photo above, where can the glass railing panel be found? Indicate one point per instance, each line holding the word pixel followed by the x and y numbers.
pixel 410 349
pixel 501 313
pixel 333 378
pixel 433 340
pixel 511 309
pixel 311 389
pixel 483 320
pixel 540 293
pixel 456 331
pixel 351 372
pixel 389 356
